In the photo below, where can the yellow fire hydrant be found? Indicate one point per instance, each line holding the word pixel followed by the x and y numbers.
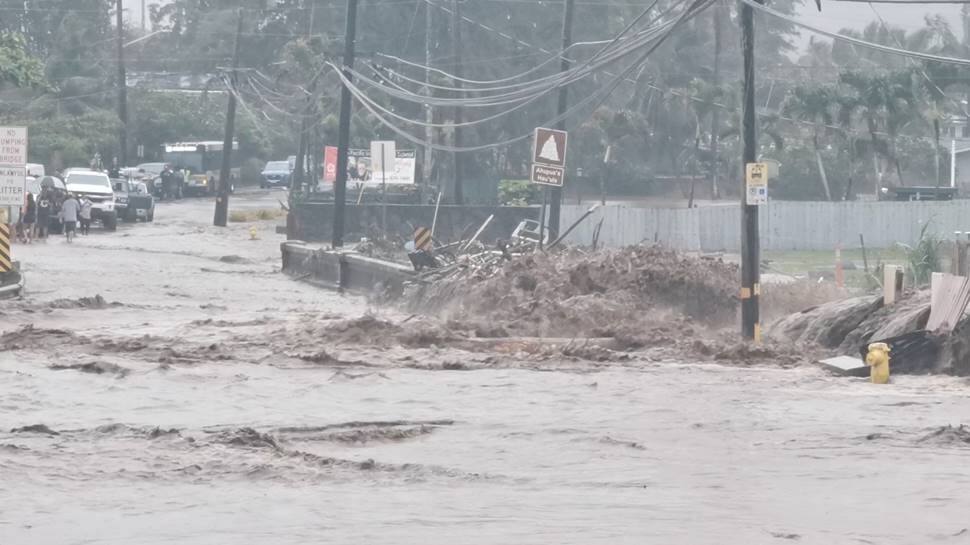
pixel 878 361
pixel 253 233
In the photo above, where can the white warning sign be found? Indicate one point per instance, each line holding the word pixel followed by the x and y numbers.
pixel 13 146
pixel 12 183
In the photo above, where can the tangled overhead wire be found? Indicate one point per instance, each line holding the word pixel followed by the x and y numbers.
pixel 617 49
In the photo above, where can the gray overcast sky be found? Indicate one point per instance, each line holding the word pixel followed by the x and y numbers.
pixel 838 15
pixel 835 15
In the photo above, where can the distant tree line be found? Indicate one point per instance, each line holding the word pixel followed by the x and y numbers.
pixel 840 119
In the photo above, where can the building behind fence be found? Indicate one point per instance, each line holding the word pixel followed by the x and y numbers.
pixel 785 225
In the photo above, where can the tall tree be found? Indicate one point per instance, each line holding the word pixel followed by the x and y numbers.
pixel 815 105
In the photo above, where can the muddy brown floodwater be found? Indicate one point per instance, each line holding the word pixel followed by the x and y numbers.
pixel 165 384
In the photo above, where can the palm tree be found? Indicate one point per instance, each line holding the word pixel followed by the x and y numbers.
pixel 885 103
pixel 705 101
pixel 816 106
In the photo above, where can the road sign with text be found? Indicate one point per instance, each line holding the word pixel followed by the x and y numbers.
pixel 549 157
pixel 12 182
pixel 13 146
pixel 756 183
pixel 544 175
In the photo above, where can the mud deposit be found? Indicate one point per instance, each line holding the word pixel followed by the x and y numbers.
pixel 198 407
pixel 579 294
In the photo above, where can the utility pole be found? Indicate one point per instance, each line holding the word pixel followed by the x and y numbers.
pixel 122 87
pixel 296 184
pixel 715 110
pixel 428 113
pixel 343 136
pixel 565 63
pixel 456 49
pixel 304 155
pixel 144 17
pixel 221 217
pixel 750 243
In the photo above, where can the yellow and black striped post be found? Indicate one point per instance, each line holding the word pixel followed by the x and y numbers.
pixel 422 239
pixel 6 261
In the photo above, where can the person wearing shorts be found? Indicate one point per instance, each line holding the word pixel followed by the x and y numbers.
pixel 85 215
pixel 69 213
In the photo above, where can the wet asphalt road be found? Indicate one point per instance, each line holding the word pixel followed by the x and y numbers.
pixel 182 407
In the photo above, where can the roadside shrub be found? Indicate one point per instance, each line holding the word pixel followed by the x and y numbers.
pixel 517 193
pixel 923 259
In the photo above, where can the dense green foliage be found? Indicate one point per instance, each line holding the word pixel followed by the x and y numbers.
pixel 840 119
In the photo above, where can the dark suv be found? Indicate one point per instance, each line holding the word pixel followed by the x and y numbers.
pixel 133 201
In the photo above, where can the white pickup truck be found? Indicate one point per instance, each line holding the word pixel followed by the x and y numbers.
pixel 97 187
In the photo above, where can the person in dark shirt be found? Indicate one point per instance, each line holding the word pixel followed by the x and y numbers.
pixel 29 218
pixel 45 208
pixel 168 181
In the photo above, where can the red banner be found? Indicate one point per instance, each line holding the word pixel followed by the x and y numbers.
pixel 329 164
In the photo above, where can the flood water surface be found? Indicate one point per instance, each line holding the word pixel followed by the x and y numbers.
pixel 181 411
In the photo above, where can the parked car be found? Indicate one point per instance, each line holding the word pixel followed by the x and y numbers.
pixel 133 201
pixel 148 171
pixel 95 186
pixel 36 170
pixel 276 174
pixel 195 184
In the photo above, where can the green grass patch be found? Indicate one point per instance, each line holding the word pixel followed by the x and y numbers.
pixel 803 262
pixel 259 214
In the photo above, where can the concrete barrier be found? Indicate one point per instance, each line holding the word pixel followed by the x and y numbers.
pixel 11 283
pixel 343 270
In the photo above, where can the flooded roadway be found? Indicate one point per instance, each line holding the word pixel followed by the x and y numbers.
pixel 198 402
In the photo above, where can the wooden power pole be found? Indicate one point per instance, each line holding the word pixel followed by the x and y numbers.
pixel 428 112
pixel 221 218
pixel 716 110
pixel 343 135
pixel 122 87
pixel 750 243
pixel 459 115
pixel 562 106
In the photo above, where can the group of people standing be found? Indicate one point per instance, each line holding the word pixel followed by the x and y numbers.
pixel 37 214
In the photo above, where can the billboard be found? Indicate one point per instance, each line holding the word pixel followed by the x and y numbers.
pixel 359 167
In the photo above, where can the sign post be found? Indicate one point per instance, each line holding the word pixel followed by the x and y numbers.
pixel 382 153
pixel 548 165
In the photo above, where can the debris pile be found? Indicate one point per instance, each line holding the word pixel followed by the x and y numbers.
pixel 580 293
pixel 846 327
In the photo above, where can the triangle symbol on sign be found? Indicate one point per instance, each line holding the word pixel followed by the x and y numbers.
pixel 550 151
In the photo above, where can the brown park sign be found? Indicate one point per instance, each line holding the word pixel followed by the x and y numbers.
pixel 549 148
pixel 545 175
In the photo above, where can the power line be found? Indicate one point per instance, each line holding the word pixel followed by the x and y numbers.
pixel 598 96
pixel 857 41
